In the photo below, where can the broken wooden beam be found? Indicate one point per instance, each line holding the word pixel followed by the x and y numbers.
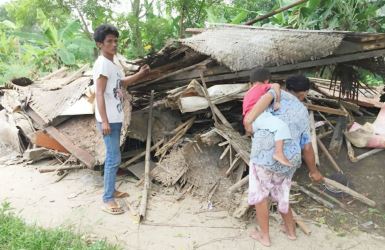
pixel 315 197
pixel 324 109
pixel 142 154
pixel 328 155
pixel 331 198
pixel 238 185
pixel 179 134
pixel 79 153
pixel 47 170
pixel 349 191
pixel 338 136
pixel 367 154
pixel 300 223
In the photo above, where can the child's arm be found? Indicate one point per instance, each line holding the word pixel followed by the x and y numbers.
pixel 258 108
pixel 277 89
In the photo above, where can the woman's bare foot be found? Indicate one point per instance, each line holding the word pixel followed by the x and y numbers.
pixel 281 158
pixel 256 235
pixel 291 236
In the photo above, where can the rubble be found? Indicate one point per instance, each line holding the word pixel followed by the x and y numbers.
pixel 197 138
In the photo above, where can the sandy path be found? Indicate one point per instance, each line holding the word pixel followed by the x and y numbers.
pixel 75 201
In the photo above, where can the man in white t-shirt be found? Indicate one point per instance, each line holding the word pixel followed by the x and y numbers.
pixel 109 82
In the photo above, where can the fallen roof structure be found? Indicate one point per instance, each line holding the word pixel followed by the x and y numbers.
pixel 192 121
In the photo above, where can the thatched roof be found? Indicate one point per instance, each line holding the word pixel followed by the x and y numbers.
pixel 244 47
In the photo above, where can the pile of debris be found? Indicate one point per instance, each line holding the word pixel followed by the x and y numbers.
pixel 197 137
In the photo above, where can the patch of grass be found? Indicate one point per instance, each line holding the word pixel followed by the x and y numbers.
pixel 16 234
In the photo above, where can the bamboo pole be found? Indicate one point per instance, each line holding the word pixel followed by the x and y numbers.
pixel 274 12
pixel 143 203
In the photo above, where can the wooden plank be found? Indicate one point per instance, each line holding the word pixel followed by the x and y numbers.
pixel 81 154
pixel 325 109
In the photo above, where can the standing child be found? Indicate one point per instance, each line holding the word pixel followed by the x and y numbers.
pixel 259 79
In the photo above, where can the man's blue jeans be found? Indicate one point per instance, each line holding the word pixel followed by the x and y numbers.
pixel 113 159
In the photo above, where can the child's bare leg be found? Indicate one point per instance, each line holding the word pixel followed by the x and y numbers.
pixel 262 214
pixel 279 155
pixel 289 225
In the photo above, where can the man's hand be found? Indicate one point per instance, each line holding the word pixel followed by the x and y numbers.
pixel 106 129
pixel 316 176
pixel 144 70
pixel 276 106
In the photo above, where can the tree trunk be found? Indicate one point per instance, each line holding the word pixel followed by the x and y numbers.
pixel 135 28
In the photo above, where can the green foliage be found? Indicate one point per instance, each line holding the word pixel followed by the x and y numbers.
pixel 22 13
pixel 15 234
pixel 41 35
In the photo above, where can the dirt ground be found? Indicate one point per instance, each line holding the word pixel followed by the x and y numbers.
pixel 186 224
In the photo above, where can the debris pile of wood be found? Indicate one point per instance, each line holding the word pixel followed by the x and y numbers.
pixel 197 142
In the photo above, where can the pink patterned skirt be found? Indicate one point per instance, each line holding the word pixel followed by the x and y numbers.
pixel 263 183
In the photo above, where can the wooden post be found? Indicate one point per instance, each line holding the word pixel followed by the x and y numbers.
pixel 143 203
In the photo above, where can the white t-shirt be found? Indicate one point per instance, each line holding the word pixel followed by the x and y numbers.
pixel 113 95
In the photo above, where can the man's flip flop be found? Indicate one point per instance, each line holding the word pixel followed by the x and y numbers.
pixel 120 195
pixel 113 210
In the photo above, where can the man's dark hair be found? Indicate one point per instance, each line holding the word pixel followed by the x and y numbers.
pixel 259 74
pixel 103 30
pixel 297 83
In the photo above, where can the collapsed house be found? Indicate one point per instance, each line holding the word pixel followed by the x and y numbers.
pixel 197 137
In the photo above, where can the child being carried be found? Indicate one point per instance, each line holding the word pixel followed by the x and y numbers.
pixel 260 78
